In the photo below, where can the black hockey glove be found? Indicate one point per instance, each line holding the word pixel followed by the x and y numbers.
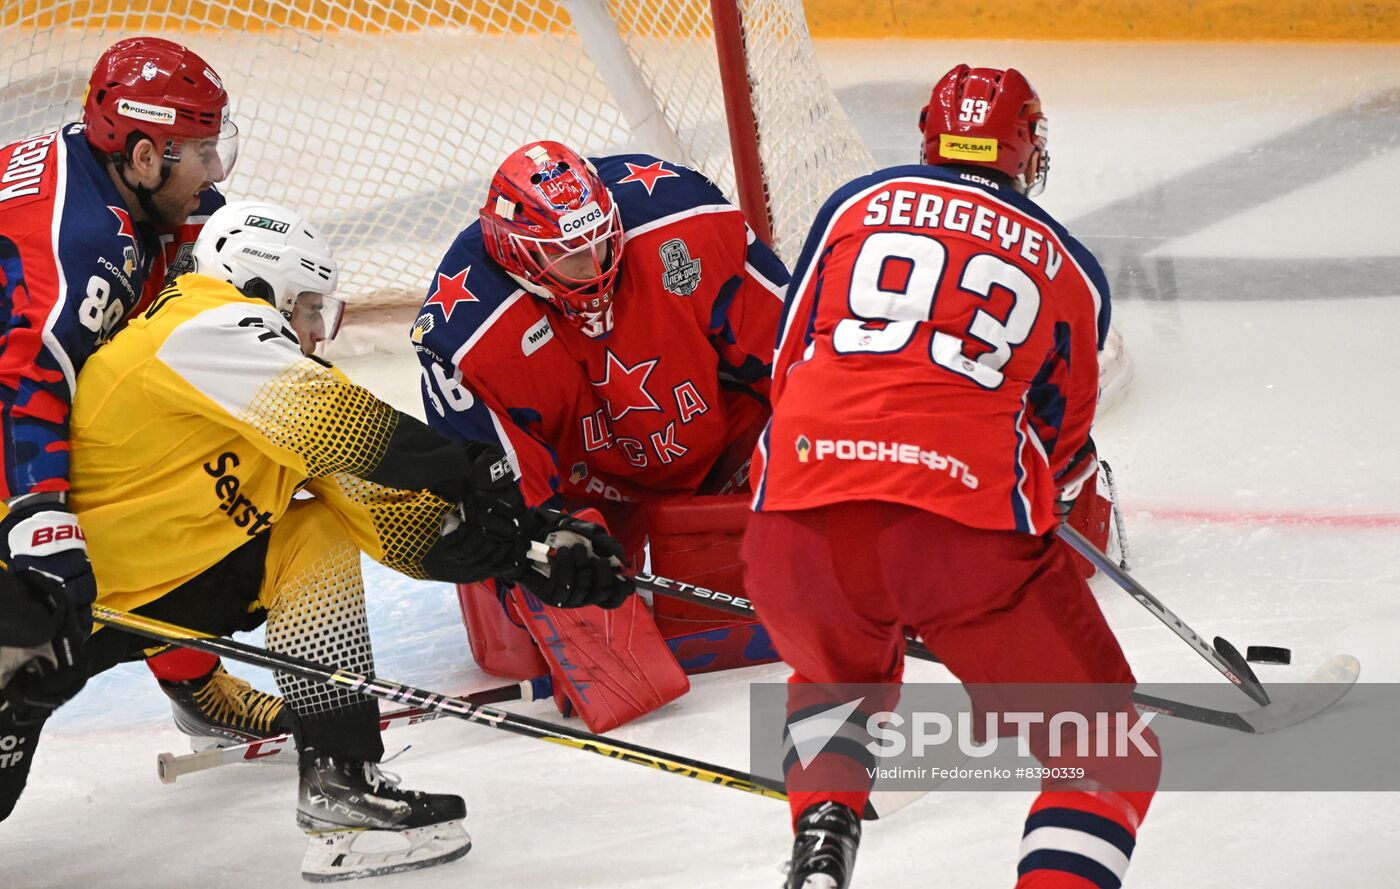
pixel 583 567
pixel 42 661
pixel 469 551
pixel 489 534
pixel 44 537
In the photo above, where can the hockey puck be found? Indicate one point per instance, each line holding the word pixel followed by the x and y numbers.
pixel 1268 654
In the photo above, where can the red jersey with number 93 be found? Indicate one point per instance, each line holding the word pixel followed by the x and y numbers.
pixel 938 349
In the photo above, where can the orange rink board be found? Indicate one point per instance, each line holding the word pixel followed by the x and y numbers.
pixel 1108 19
pixel 1350 20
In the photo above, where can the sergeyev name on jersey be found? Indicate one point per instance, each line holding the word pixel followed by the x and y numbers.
pixel 969 314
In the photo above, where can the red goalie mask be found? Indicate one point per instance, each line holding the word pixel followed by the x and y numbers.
pixel 552 225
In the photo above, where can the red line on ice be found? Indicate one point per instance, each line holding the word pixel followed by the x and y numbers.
pixel 1277 517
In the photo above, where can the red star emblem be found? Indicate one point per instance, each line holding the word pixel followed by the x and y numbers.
pixel 625 388
pixel 124 227
pixel 647 175
pixel 451 291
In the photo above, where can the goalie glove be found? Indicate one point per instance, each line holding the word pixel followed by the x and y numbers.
pixel 575 563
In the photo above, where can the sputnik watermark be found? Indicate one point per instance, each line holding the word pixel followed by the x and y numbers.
pixel 1111 734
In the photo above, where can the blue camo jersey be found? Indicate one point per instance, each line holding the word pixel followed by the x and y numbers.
pixel 73 266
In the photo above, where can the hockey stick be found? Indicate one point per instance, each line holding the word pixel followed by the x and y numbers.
pixel 170 767
pixel 443 704
pixel 1222 656
pixel 1334 678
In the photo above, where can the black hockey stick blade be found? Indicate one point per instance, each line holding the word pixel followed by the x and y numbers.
pixel 1328 685
pixel 1232 656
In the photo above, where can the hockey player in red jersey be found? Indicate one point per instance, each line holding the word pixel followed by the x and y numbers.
pixel 933 391
pixel 92 218
pixel 610 323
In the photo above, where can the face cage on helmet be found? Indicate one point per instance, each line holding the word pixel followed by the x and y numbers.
pixel 215 155
pixel 589 297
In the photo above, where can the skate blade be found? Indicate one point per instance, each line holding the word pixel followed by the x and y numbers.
pixel 336 855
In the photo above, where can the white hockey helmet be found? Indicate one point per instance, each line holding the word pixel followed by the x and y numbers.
pixel 269 252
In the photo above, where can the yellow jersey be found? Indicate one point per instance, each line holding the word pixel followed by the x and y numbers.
pixel 195 426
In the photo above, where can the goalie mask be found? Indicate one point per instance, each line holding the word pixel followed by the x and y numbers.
pixel 986 117
pixel 270 253
pixel 552 225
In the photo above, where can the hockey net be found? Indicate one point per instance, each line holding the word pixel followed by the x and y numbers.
pixel 383 120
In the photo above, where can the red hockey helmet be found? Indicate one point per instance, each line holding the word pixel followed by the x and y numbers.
pixel 164 92
pixel 552 225
pixel 986 117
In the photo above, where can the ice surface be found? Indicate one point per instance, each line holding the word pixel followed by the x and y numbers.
pixel 1244 200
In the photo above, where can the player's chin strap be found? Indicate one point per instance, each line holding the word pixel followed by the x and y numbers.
pixel 144 196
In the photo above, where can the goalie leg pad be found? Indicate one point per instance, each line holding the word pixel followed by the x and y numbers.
pixel 499 641
pixel 350 854
pixel 610 666
pixel 696 540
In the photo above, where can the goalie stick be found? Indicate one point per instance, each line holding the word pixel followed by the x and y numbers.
pixel 1332 680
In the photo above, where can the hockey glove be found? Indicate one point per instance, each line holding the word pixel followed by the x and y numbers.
pixel 489 534
pixel 583 566
pixel 44 537
pixel 474 550
pixel 42 661
pixel 1071 480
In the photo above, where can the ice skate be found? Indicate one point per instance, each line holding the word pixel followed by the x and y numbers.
pixel 220 710
pixel 824 849
pixel 361 824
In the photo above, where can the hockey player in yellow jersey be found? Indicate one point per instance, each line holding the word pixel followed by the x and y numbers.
pixel 225 476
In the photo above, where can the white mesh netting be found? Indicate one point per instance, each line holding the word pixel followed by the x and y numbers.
pixel 382 120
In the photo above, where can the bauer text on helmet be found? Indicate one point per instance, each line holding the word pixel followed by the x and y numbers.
pixel 158 114
pixel 989 118
pixel 271 253
pixel 552 225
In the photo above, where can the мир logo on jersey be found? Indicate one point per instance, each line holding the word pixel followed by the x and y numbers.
pixel 682 274
pixel 126 230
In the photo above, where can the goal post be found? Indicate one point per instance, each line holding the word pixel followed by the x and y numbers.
pixel 383 120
